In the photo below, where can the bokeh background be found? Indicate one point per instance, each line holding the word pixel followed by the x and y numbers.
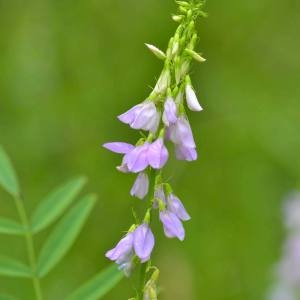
pixel 67 68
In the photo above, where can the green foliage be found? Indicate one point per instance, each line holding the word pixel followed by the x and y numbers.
pixel 56 203
pixel 64 235
pixel 98 286
pixel 13 268
pixel 8 178
pixel 59 241
pixel 8 226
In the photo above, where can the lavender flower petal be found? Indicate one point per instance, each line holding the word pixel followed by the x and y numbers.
pixel 157 154
pixel 122 249
pixel 119 147
pixel 181 133
pixel 145 117
pixel 175 206
pixel 153 123
pixel 129 116
pixel 143 242
pixel 172 225
pixel 141 186
pixel 170 112
pixel 183 153
pixel 136 160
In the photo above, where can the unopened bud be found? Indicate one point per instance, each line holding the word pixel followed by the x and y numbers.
pixel 177 18
pixel 157 52
pixel 195 55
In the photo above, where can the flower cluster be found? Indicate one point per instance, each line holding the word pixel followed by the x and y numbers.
pixel 288 269
pixel 162 119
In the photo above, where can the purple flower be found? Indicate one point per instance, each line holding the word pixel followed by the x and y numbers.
pixel 157 154
pixel 176 207
pixel 142 116
pixel 123 253
pixel 172 225
pixel 138 158
pixel 191 99
pixel 170 112
pixel 119 147
pixel 139 242
pixel 141 186
pixel 181 133
pixel 184 153
pixel 143 242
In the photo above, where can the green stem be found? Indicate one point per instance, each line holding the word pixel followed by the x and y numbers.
pixel 142 280
pixel 30 247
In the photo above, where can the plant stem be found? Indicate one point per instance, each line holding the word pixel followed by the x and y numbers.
pixel 30 247
pixel 142 281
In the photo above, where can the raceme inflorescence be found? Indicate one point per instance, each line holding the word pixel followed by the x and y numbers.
pixel 162 119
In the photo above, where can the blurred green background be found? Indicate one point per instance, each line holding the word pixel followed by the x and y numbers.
pixel 68 68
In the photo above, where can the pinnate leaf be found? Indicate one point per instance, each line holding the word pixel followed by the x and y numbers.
pixel 8 178
pixel 12 268
pixel 8 226
pixel 98 286
pixel 64 235
pixel 54 205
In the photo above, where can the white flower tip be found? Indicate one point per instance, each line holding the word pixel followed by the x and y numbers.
pixel 157 52
pixel 191 99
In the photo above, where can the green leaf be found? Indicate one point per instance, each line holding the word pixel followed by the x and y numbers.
pixel 8 226
pixel 98 286
pixel 53 206
pixel 64 235
pixel 12 268
pixel 8 178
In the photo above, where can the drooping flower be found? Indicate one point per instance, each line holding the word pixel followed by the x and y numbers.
pixel 159 195
pixel 181 135
pixel 175 206
pixel 191 99
pixel 139 242
pixel 184 153
pixel 142 116
pixel 172 225
pixel 143 242
pixel 123 253
pixel 170 112
pixel 141 186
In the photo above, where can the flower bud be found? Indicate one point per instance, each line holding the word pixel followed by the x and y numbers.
pixel 157 52
pixel 177 18
pixel 195 55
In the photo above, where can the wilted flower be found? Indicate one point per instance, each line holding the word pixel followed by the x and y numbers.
pixel 191 99
pixel 123 253
pixel 181 135
pixel 172 225
pixel 141 186
pixel 175 206
pixel 184 153
pixel 142 116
